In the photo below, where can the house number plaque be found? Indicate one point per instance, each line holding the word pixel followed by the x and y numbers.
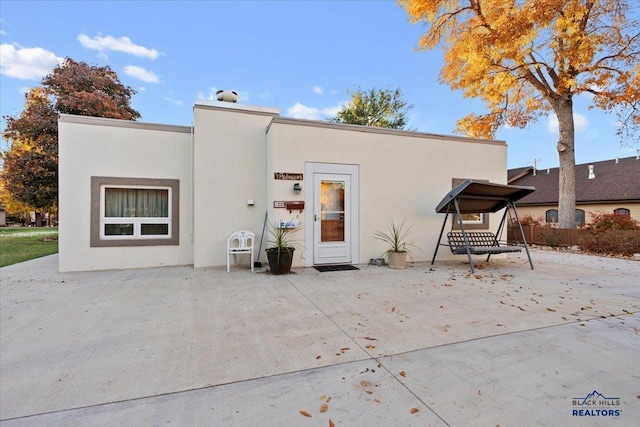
pixel 279 204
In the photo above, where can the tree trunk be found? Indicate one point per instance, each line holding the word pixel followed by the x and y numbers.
pixel 567 156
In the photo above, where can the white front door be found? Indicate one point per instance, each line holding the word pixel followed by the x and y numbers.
pixel 331 218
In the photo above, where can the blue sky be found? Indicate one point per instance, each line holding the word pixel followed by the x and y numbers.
pixel 298 56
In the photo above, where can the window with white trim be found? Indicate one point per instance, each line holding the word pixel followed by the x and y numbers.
pixel 472 218
pixel 133 212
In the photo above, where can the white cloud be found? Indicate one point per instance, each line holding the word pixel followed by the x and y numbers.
pixel 580 123
pixel 26 63
pixel 122 44
pixel 300 111
pixel 318 90
pixel 141 74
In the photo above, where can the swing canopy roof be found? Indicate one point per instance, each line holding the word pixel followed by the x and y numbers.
pixel 482 196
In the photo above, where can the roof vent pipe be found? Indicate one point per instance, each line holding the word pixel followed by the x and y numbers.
pixel 547 171
pixel 591 174
pixel 226 95
pixel 637 154
pixel 617 160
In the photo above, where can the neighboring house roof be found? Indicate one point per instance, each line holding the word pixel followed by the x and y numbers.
pixel 615 181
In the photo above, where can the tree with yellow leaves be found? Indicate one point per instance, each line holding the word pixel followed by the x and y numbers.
pixel 527 58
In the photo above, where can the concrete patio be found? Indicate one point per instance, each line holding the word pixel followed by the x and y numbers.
pixel 426 346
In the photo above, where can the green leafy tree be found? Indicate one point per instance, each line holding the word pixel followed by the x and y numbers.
pixel 384 108
pixel 30 165
pixel 530 58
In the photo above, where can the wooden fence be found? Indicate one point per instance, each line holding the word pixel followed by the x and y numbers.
pixel 549 236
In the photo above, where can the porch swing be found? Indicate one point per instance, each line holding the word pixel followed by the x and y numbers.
pixel 482 197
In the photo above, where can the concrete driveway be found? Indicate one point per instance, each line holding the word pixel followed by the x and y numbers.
pixel 427 346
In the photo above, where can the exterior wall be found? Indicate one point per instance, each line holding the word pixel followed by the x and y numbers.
pixel 229 169
pixel 539 211
pixel 230 159
pixel 91 146
pixel 403 175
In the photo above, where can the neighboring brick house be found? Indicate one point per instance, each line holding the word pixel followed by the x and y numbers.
pixel 606 186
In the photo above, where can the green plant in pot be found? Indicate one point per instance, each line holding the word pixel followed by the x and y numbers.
pixel 280 250
pixel 399 248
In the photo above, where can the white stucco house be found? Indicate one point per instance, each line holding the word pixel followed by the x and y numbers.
pixel 135 194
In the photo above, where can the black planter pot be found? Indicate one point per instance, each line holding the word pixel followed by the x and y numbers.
pixel 280 260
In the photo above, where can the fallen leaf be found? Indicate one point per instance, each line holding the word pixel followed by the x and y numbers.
pixel 368 392
pixel 363 383
pixel 318 357
pixel 393 309
pixel 331 424
pixel 414 410
pixel 324 408
pixel 378 400
pixel 403 374
pixel 369 338
pixel 323 397
pixel 305 413
pixel 550 309
pixel 371 347
pixel 328 399
pixel 479 393
pixel 521 309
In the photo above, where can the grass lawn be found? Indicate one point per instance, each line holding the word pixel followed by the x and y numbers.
pixel 25 243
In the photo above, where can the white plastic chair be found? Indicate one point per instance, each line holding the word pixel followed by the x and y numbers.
pixel 240 242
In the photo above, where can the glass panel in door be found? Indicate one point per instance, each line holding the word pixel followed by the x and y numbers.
pixel 332 211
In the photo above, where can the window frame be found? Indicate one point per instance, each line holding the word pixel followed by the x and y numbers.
pixel 482 224
pixel 546 216
pixel 480 219
pixel 137 222
pixel 98 219
pixel 583 217
pixel 622 211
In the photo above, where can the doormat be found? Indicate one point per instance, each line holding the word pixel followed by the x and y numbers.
pixel 341 267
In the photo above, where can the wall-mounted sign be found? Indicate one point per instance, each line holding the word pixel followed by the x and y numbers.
pixel 288 176
pixel 279 204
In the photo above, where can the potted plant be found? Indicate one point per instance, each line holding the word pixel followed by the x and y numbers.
pixel 399 249
pixel 280 250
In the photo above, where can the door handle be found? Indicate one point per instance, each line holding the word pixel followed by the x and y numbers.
pixel 315 217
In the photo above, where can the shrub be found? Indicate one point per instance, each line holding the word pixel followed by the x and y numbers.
pixel 528 219
pixel 611 233
pixel 623 242
pixel 602 221
pixel 551 237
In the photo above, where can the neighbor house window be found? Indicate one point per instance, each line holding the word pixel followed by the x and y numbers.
pixel 134 211
pixel 551 216
pixel 622 211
